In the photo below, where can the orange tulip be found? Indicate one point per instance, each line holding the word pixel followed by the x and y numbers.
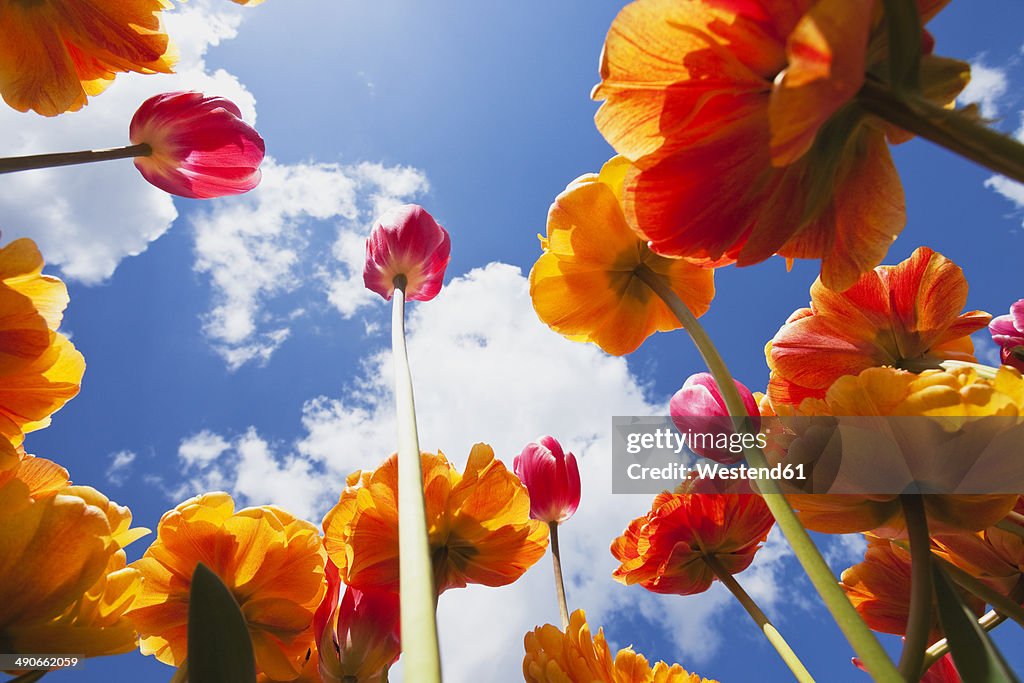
pixel 40 369
pixel 272 562
pixel 584 286
pixel 56 54
pixel 879 588
pixel 907 316
pixel 554 656
pixel 665 551
pixel 75 605
pixel 480 529
pixel 736 118
pixel 956 397
pixel 993 555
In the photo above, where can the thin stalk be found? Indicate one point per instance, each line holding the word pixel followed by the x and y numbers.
pixel 938 650
pixel 556 561
pixel 1015 518
pixel 759 617
pixel 27 163
pixel 415 578
pixel 920 617
pixel 181 673
pixel 863 641
pixel 948 128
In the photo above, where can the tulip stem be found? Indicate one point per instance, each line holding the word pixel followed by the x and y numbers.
pixel 556 561
pixel 951 129
pixel 759 617
pixel 420 651
pixel 27 163
pixel 920 617
pixel 863 641
pixel 28 677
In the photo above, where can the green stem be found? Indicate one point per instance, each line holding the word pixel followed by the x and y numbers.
pixel 416 581
pixel 556 560
pixel 863 641
pixel 759 617
pixel 181 673
pixel 949 128
pixel 12 164
pixel 920 618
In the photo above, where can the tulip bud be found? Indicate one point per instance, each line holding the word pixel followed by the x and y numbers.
pixel 201 147
pixel 358 639
pixel 552 478
pixel 407 241
pixel 698 408
pixel 1008 332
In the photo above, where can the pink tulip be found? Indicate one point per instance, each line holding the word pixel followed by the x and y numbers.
pixel 1008 332
pixel 552 478
pixel 407 241
pixel 357 639
pixel 698 408
pixel 201 147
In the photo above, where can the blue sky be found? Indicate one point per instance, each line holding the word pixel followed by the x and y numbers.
pixel 230 344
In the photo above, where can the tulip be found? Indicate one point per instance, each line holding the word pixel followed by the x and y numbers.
pixel 552 478
pixel 698 408
pixel 358 639
pixel 201 147
pixel 1008 332
pixel 406 242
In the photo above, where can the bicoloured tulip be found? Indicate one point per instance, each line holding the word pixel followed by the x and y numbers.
pixel 200 146
pixel 552 477
pixel 406 242
pixel 698 408
pixel 666 550
pixel 1008 332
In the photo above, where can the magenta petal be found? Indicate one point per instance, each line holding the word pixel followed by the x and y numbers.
pixel 407 241
pixel 552 478
pixel 698 408
pixel 201 147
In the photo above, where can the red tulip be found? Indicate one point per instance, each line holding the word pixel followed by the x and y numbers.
pixel 407 241
pixel 552 477
pixel 698 408
pixel 359 638
pixel 201 147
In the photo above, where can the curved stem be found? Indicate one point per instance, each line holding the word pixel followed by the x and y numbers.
pixel 920 617
pixel 556 560
pixel 949 128
pixel 27 163
pixel 415 572
pixel 766 626
pixel 863 641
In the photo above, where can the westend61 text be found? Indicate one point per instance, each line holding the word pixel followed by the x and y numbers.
pixel 713 470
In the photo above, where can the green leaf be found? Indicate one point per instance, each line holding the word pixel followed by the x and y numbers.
pixel 974 653
pixel 904 25
pixel 219 647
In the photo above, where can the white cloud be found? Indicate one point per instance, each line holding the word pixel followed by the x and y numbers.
pixel 986 350
pixel 202 449
pixel 254 247
pixel 987 87
pixel 120 467
pixel 86 219
pixel 494 373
